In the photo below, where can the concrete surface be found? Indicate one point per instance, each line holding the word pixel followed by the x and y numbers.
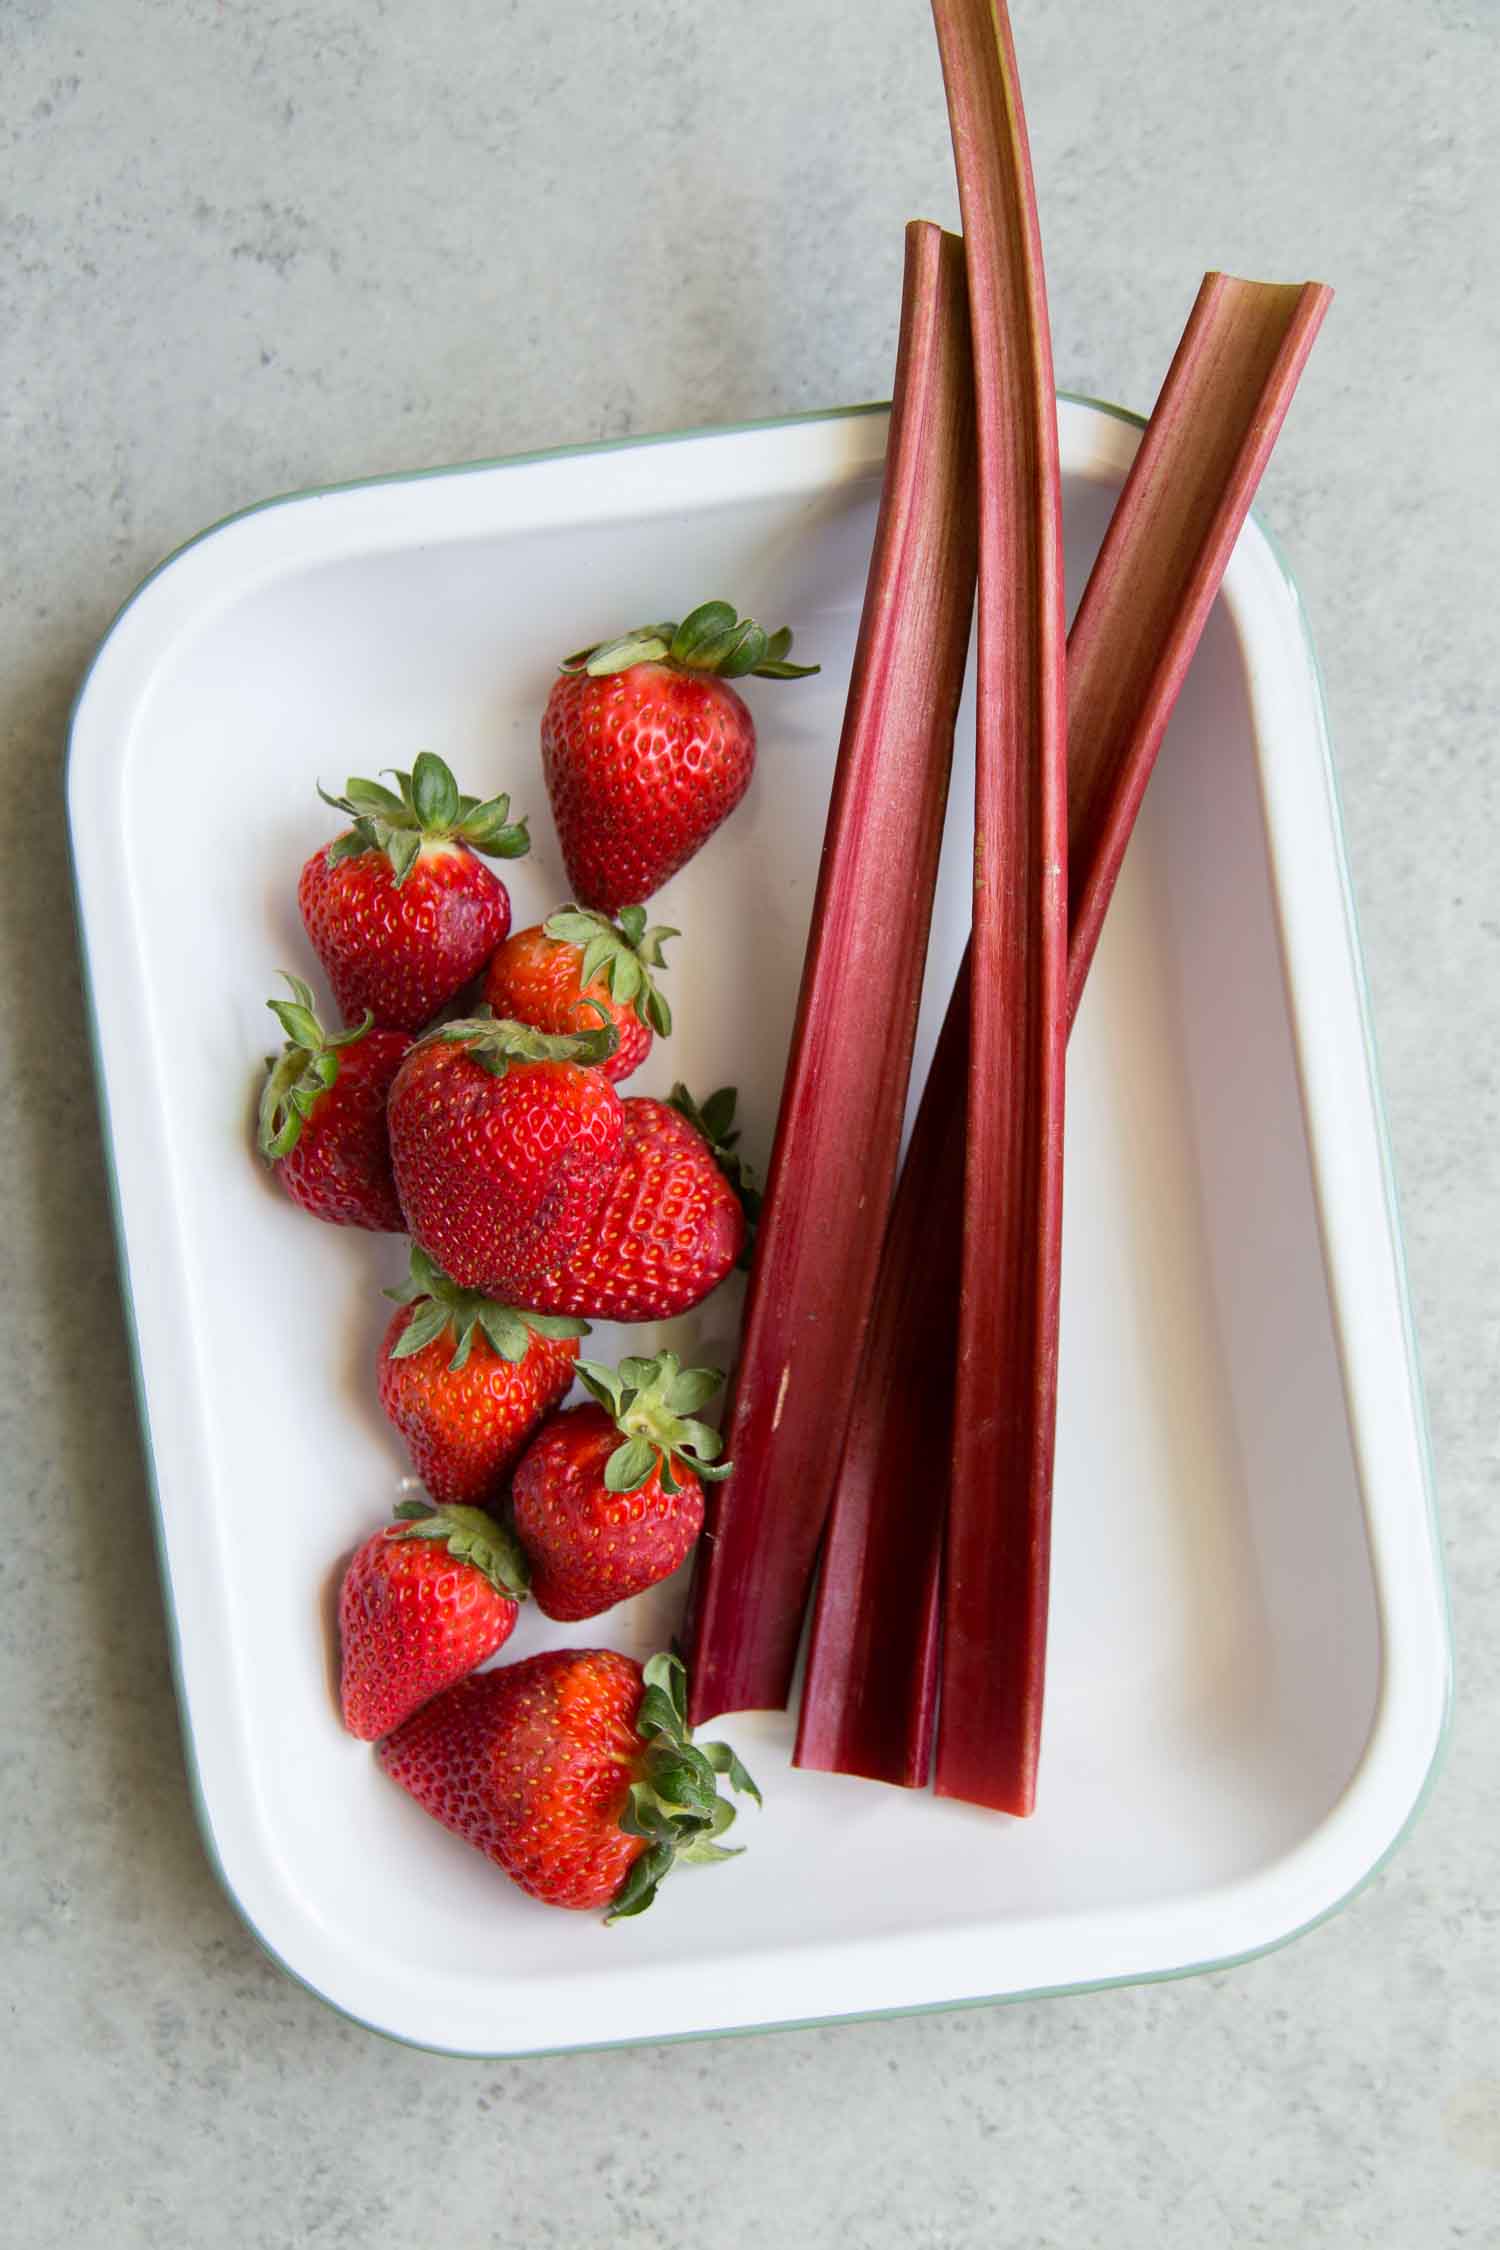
pixel 245 248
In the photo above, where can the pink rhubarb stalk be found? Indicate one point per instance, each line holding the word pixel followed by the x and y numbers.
pixel 838 1135
pixel 1005 1392
pixel 869 1701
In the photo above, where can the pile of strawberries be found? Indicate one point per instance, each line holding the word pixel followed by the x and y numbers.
pixel 470 1101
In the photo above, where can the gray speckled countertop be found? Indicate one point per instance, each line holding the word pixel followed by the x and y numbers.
pixel 244 249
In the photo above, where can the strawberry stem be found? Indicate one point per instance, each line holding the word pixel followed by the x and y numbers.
pixel 445 1309
pixel 470 1536
pixel 675 1804
pixel 304 1071
pixel 711 638
pixel 623 953
pixel 495 1042
pixel 425 807
pixel 652 1403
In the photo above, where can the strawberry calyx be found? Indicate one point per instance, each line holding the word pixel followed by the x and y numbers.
pixel 622 954
pixel 711 638
pixel 472 1537
pixel 306 1068
pixel 495 1042
pixel 714 1119
pixel 425 807
pixel 675 1803
pixel 445 1309
pixel 652 1403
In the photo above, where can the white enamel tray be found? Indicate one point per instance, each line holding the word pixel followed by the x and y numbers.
pixel 1249 1659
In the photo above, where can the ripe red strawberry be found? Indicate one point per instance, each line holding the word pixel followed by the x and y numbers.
pixel 607 1499
pixel 505 1143
pixel 646 748
pixel 400 911
pixel 322 1116
pixel 669 1231
pixel 548 975
pixel 422 1603
pixel 466 1380
pixel 576 1772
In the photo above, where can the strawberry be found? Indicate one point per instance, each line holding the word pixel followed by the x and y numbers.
pixel 322 1116
pixel 576 1772
pixel 422 1603
pixel 505 1143
pixel 646 748
pixel 466 1380
pixel 607 1498
pixel 400 911
pixel 544 976
pixel 670 1229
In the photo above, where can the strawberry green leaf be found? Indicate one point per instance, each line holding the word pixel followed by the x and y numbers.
pixel 427 1324
pixel 693 1388
pixel 639 1374
pixel 682 1781
pixel 601 949
pixel 488 828
pixel 711 639
pixel 350 845
pixel 723 1760
pixel 495 1042
pixel 648 644
pixel 299 1023
pixel 642 1883
pixel 704 633
pixel 573 925
pixel 470 1536
pixel 601 1383
pixel 556 1325
pixel 641 1398
pixel 666 1671
pixel 434 793
pixel 304 1071
pixel 443 1306
pixel 644 1815
pixel 674 1805
pixel 622 953
pixel 403 851
pixel 630 1465
pixel 371 800
pixel 426 805
pixel 658 1714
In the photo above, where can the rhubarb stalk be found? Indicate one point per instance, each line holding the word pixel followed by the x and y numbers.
pixel 838 1135
pixel 1005 1391
pixel 869 1699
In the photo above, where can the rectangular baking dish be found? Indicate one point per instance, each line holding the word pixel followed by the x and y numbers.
pixel 1250 1661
